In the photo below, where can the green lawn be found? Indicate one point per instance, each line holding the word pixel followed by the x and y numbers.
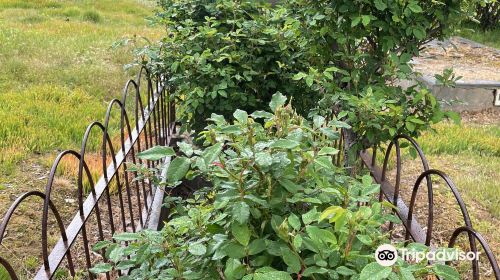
pixel 58 70
pixel 490 38
pixel 470 152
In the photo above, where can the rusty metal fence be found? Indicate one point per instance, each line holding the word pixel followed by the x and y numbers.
pixel 130 208
pixel 126 208
pixel 413 230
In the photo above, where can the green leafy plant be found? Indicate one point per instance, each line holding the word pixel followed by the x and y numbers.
pixel 222 55
pixel 355 52
pixel 277 208
pixel 332 57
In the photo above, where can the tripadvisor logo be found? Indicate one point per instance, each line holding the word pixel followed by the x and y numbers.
pixel 387 255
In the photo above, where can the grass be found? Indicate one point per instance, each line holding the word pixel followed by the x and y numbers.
pixel 59 70
pixel 490 38
pixel 471 154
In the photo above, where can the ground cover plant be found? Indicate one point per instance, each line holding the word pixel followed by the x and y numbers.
pixel 277 208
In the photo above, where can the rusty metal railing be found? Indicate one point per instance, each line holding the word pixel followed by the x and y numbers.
pixel 413 229
pixel 154 125
pixel 130 207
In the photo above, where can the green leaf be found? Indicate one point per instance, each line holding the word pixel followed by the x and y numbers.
pixel 101 268
pixel 126 264
pixel 211 153
pixel 446 272
pixel 419 33
pixel 454 116
pixel 343 270
pixel 406 274
pixel 290 186
pixel 241 212
pixel 318 121
pixel 241 116
pixel 332 213
pixel 365 20
pixel 127 236
pixel 410 126
pixel 256 246
pixel 310 216
pixel 299 76
pixel 291 259
pixel 156 153
pixel 355 21
pixel 241 233
pixel 185 148
pixel 234 250
pixel 319 235
pixel 414 7
pixel 278 100
pixel 365 239
pixel 284 144
pixel 272 275
pixel 324 162
pixel 380 5
pixel 261 115
pixel 309 80
pixel 314 270
pixel 177 169
pixel 101 245
pixel 116 254
pixel 374 271
pixel 197 249
pixel 328 151
pixel 294 221
pixel 263 159
pixel 332 69
pixel 234 269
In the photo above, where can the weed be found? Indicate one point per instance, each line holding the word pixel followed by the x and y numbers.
pixel 71 12
pixel 92 16
pixel 4 275
pixel 31 263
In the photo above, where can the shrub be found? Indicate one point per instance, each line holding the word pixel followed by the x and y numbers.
pixel 342 57
pixel 488 14
pixel 278 209
pixel 92 16
pixel 224 54
pixel 357 51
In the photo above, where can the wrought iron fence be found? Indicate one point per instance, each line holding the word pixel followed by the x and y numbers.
pixel 391 191
pixel 135 202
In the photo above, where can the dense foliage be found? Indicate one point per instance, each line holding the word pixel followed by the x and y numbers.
pixel 357 52
pixel 275 206
pixel 225 54
pixel 334 56
pixel 277 209
pixel 488 14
